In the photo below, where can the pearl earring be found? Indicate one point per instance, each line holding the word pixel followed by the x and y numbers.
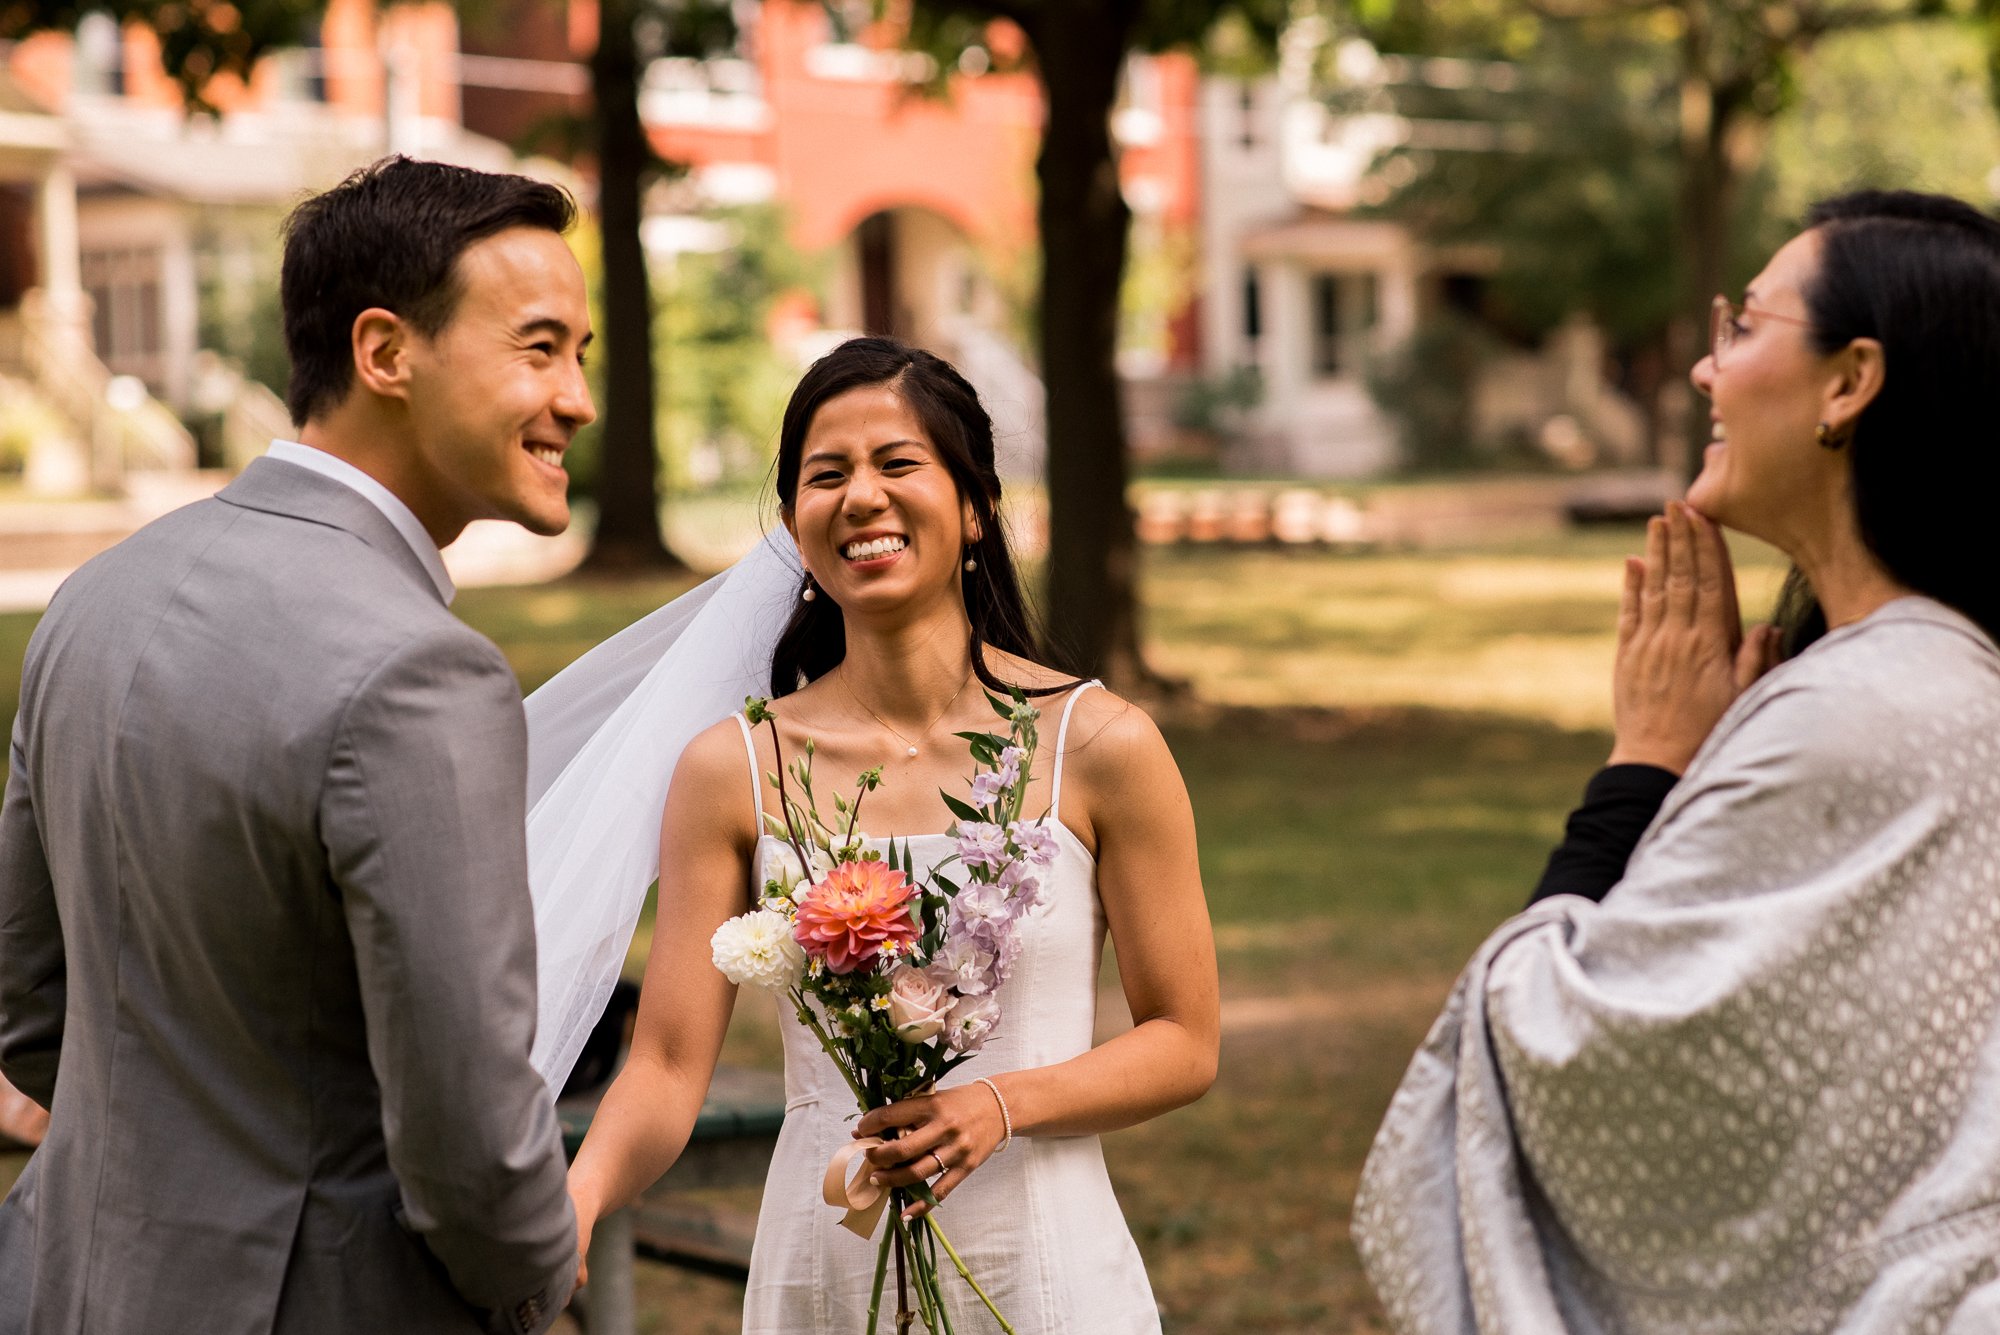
pixel 810 592
pixel 970 565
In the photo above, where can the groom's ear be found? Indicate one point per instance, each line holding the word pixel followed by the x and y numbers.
pixel 381 347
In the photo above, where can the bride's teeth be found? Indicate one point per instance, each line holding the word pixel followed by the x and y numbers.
pixel 548 454
pixel 862 551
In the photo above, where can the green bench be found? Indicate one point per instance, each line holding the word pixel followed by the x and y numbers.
pixel 731 1147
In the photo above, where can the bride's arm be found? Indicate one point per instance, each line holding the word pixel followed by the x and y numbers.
pixel 1150 884
pixel 643 1121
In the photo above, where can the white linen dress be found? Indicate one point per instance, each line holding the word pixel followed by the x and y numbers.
pixel 1037 1225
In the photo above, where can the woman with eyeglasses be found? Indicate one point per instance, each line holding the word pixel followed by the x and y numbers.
pixel 1737 1069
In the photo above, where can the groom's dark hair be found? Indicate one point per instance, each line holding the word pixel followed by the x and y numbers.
pixel 390 236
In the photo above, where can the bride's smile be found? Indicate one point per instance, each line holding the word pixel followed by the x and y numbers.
pixel 877 515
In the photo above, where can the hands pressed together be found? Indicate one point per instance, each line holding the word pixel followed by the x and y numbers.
pixel 1683 656
pixel 949 1132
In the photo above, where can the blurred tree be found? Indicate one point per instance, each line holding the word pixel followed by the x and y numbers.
pixel 1576 190
pixel 726 396
pixel 1732 68
pixel 629 32
pixel 1078 50
pixel 1905 107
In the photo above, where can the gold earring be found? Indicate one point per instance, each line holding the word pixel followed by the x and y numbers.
pixel 1827 440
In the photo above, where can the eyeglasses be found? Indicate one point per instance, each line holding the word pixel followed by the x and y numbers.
pixel 1725 323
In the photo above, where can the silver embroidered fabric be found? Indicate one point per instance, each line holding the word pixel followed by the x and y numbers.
pixel 1757 1089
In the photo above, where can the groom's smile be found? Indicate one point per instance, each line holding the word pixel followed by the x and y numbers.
pixel 499 393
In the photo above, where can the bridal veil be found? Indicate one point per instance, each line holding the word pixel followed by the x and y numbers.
pixel 604 736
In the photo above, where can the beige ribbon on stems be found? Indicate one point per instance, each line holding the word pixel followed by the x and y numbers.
pixel 864 1200
pixel 859 1194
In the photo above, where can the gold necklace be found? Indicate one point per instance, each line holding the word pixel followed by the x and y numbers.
pixel 925 734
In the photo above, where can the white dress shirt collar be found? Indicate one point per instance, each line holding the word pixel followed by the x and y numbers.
pixel 397 513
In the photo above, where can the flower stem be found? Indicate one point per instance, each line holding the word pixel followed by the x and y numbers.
pixel 785 800
pixel 966 1275
pixel 831 1048
pixel 875 1294
pixel 904 1316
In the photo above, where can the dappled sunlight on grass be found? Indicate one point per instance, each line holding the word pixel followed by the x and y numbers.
pixel 1529 633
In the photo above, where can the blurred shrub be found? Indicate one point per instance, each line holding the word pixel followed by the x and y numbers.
pixel 1426 385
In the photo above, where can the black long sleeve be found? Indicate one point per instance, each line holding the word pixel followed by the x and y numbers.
pixel 1618 804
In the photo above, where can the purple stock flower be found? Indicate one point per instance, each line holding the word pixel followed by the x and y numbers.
pixel 986 788
pixel 971 1023
pixel 981 844
pixel 1023 886
pixel 1009 768
pixel 965 967
pixel 1035 840
pixel 979 910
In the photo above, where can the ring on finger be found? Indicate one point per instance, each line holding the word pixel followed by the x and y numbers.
pixel 943 1167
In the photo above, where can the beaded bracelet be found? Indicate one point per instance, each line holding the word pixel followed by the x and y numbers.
pixel 1006 1118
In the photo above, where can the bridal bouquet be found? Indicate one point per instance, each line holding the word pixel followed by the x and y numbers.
pixel 897 975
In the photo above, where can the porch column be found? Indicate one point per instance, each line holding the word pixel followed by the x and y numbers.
pixel 60 254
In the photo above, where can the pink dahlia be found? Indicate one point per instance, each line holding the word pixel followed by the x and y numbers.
pixel 850 916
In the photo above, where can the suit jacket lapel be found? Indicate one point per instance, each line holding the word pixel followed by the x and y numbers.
pixel 276 487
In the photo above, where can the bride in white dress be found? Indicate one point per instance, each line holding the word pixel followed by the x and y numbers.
pixel 908 612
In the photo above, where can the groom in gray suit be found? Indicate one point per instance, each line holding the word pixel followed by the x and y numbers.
pixel 266 948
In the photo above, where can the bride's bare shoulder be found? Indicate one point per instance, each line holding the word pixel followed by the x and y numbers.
pixel 716 753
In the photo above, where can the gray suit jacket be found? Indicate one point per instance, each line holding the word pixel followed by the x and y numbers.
pixel 266 948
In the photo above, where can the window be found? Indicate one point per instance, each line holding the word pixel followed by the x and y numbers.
pixel 1343 314
pixel 1246 107
pixel 1253 310
pixel 124 287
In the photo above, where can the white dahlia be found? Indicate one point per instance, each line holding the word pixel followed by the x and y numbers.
pixel 758 949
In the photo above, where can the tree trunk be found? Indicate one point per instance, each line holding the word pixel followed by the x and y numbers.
pixel 628 498
pixel 1704 208
pixel 1092 580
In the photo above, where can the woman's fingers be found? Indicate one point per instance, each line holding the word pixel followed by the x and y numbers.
pixel 1653 588
pixel 1682 578
pixel 1715 558
pixel 941 1188
pixel 905 1112
pixel 1628 600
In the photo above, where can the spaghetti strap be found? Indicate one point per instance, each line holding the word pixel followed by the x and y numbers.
pixel 756 790
pixel 1062 749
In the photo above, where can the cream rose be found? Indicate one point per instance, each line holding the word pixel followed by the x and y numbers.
pixel 918 1005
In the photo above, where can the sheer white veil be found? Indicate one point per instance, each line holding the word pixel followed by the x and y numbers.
pixel 603 739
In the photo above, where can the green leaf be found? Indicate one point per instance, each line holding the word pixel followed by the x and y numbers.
pixel 1003 708
pixel 962 810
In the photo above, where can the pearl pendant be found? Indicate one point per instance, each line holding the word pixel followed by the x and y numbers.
pixel 911 752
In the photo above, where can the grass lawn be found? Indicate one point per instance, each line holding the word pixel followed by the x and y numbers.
pixel 1382 754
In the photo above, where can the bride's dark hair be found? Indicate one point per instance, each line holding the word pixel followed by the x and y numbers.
pixel 815 640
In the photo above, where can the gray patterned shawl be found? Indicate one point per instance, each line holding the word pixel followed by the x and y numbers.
pixel 1757 1089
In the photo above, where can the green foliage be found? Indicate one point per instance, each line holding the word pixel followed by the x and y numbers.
pixel 1427 387
pixel 1905 108
pixel 1583 212
pixel 1216 404
pixel 240 314
pixel 723 391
